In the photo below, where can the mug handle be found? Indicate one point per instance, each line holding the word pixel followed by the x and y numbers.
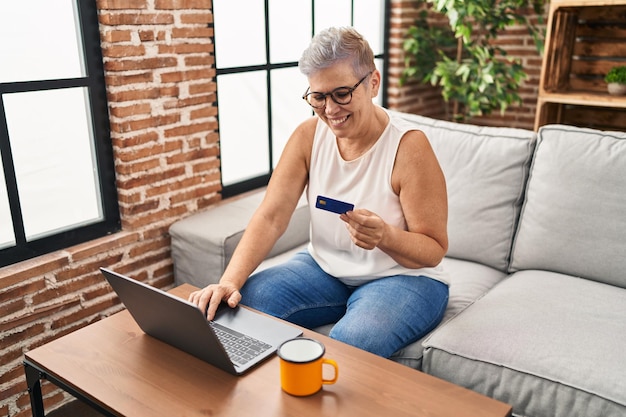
pixel 334 365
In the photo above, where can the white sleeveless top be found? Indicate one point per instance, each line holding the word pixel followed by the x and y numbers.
pixel 366 183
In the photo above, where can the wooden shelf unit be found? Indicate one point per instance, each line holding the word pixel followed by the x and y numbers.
pixel 584 40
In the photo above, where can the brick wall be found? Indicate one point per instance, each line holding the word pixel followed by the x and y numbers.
pixel 412 97
pixel 159 69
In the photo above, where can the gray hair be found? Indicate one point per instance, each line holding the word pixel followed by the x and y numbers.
pixel 336 44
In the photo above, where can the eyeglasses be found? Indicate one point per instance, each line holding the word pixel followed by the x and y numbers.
pixel 340 95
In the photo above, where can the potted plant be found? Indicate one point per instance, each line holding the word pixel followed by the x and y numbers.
pixel 616 80
pixel 464 59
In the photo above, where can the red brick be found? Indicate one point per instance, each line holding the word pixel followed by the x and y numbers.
pixel 147 35
pixel 212 138
pixel 178 76
pixel 81 271
pixel 141 124
pixel 192 194
pixel 209 201
pixel 202 60
pixel 202 88
pixel 22 271
pixel 135 140
pixel 115 80
pixel 195 100
pixel 196 17
pixel 166 271
pixel 190 129
pixel 8 308
pixel 114 19
pixel 135 154
pixel 170 91
pixel 97 292
pixel 19 291
pixel 182 4
pixel 210 181
pixel 14 353
pixel 60 297
pixel 186 48
pixel 143 207
pixel 9 339
pixel 192 32
pixel 203 113
pixel 129 197
pixel 139 64
pixel 14 372
pixel 206 166
pixel 114 36
pixel 121 51
pixel 160 232
pixel 132 110
pixel 134 95
pixel 44 313
pixel 18 389
pixel 161 35
pixel 152 179
pixel 135 267
pixel 204 100
pixel 140 167
pixel 193 155
pixel 154 217
pixel 148 247
pixel 122 4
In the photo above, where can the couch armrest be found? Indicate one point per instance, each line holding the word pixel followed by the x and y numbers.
pixel 203 243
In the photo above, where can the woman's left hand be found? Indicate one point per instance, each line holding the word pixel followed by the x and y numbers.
pixel 366 229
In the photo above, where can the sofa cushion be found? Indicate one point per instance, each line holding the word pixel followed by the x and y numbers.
pixel 485 170
pixel 468 282
pixel 203 244
pixel 549 344
pixel 574 217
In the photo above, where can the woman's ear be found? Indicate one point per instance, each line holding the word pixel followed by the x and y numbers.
pixel 375 80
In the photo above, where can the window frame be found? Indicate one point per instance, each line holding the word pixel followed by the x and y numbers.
pixel 94 83
pixel 262 180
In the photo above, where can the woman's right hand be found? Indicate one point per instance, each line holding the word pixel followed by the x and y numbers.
pixel 209 298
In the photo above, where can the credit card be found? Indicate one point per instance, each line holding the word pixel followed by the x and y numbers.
pixel 329 204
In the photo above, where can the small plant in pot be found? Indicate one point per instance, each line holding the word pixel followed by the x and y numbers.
pixel 616 80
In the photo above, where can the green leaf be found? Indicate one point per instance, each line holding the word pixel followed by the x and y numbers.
pixel 485 79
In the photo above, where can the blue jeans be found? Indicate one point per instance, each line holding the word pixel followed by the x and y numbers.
pixel 381 316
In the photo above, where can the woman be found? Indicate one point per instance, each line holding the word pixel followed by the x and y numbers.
pixel 373 270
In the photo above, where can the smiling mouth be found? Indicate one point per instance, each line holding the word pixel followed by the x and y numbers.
pixel 336 122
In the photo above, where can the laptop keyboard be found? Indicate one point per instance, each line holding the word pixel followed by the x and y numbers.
pixel 240 348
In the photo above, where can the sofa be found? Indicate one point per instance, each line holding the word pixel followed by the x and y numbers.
pixel 537 263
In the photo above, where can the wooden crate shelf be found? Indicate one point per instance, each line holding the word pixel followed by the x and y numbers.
pixel 587 98
pixel 584 40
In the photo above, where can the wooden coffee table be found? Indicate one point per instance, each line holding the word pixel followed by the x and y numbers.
pixel 113 366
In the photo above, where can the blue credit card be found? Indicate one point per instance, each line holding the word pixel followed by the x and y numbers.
pixel 330 204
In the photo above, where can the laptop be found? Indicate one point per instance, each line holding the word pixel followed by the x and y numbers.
pixel 235 341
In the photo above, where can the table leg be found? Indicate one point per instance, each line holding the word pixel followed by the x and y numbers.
pixel 33 380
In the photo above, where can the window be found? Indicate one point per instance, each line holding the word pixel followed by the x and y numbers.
pixel 57 182
pixel 259 87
